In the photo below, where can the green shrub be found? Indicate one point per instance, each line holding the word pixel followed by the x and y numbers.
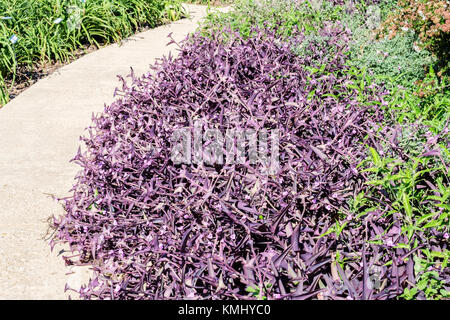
pixel 412 178
pixel 394 59
pixel 286 16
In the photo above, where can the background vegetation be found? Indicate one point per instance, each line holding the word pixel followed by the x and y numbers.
pixel 37 32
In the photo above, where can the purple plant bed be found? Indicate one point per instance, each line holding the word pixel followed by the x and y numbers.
pixel 153 229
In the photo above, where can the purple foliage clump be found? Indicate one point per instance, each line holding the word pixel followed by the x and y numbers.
pixel 154 229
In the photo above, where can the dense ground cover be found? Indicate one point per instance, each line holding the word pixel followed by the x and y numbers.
pixel 34 33
pixel 359 206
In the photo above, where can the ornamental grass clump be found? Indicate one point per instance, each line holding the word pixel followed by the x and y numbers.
pixel 153 228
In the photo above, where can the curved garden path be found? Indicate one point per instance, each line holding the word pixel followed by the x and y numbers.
pixel 39 134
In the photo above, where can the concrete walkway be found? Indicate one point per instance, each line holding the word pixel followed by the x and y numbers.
pixel 39 134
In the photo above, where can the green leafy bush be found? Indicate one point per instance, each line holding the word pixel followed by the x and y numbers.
pixel 429 285
pixel 285 16
pixel 394 59
pixel 410 180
